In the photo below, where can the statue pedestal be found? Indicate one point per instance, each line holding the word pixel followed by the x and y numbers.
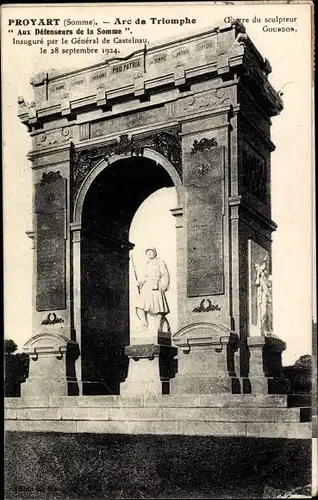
pixel 151 366
pixel 207 360
pixel 265 366
pixel 52 366
pixel 149 337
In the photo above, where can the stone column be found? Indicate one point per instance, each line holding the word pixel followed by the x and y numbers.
pixel 207 344
pixel 52 350
pixel 76 261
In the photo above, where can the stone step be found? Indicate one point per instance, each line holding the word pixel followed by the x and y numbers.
pixel 285 430
pixel 161 414
pixel 299 400
pixel 242 400
pixel 167 401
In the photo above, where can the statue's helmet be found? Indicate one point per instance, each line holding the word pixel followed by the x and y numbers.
pixel 151 248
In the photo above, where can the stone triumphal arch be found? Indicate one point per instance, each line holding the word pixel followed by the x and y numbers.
pixel 195 115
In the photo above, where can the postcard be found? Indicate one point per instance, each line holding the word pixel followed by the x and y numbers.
pixel 159 260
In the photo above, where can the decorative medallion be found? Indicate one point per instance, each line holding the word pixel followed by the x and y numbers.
pixel 101 86
pixel 203 169
pixel 22 103
pixel 50 198
pixel 65 131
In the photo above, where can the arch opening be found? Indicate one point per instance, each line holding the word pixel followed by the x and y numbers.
pixel 108 229
pixel 153 226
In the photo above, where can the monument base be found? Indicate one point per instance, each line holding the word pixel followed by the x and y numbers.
pixel 265 366
pixel 205 385
pixel 52 366
pixel 265 385
pixel 207 360
pixel 97 388
pixel 150 368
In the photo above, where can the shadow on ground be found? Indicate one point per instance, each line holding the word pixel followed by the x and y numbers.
pixel 51 466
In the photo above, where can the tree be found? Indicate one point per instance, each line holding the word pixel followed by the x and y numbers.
pixel 16 369
pixel 9 346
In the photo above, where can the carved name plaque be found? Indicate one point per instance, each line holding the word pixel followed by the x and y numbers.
pixel 208 46
pixel 126 66
pixel 50 202
pixel 204 180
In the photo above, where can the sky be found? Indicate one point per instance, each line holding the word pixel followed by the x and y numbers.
pixel 289 53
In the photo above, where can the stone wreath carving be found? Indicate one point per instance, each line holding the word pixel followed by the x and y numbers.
pixel 52 319
pixel 203 144
pixel 210 307
pixel 48 177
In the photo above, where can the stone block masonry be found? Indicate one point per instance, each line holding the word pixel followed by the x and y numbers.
pixel 225 415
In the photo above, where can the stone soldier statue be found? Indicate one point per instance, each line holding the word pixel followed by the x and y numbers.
pixel 152 306
pixel 263 283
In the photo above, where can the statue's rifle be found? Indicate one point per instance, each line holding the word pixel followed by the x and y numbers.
pixel 135 272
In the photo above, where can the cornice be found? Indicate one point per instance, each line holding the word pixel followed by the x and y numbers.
pixel 235 202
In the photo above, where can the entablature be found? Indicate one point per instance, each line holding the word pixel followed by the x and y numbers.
pixel 220 53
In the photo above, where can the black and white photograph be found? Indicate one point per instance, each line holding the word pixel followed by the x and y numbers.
pixel 159 258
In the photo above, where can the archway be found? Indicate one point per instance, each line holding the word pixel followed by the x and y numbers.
pixel 110 203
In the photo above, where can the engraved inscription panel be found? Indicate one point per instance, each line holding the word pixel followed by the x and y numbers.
pixel 132 120
pixel 50 261
pixel 204 180
pixel 51 270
